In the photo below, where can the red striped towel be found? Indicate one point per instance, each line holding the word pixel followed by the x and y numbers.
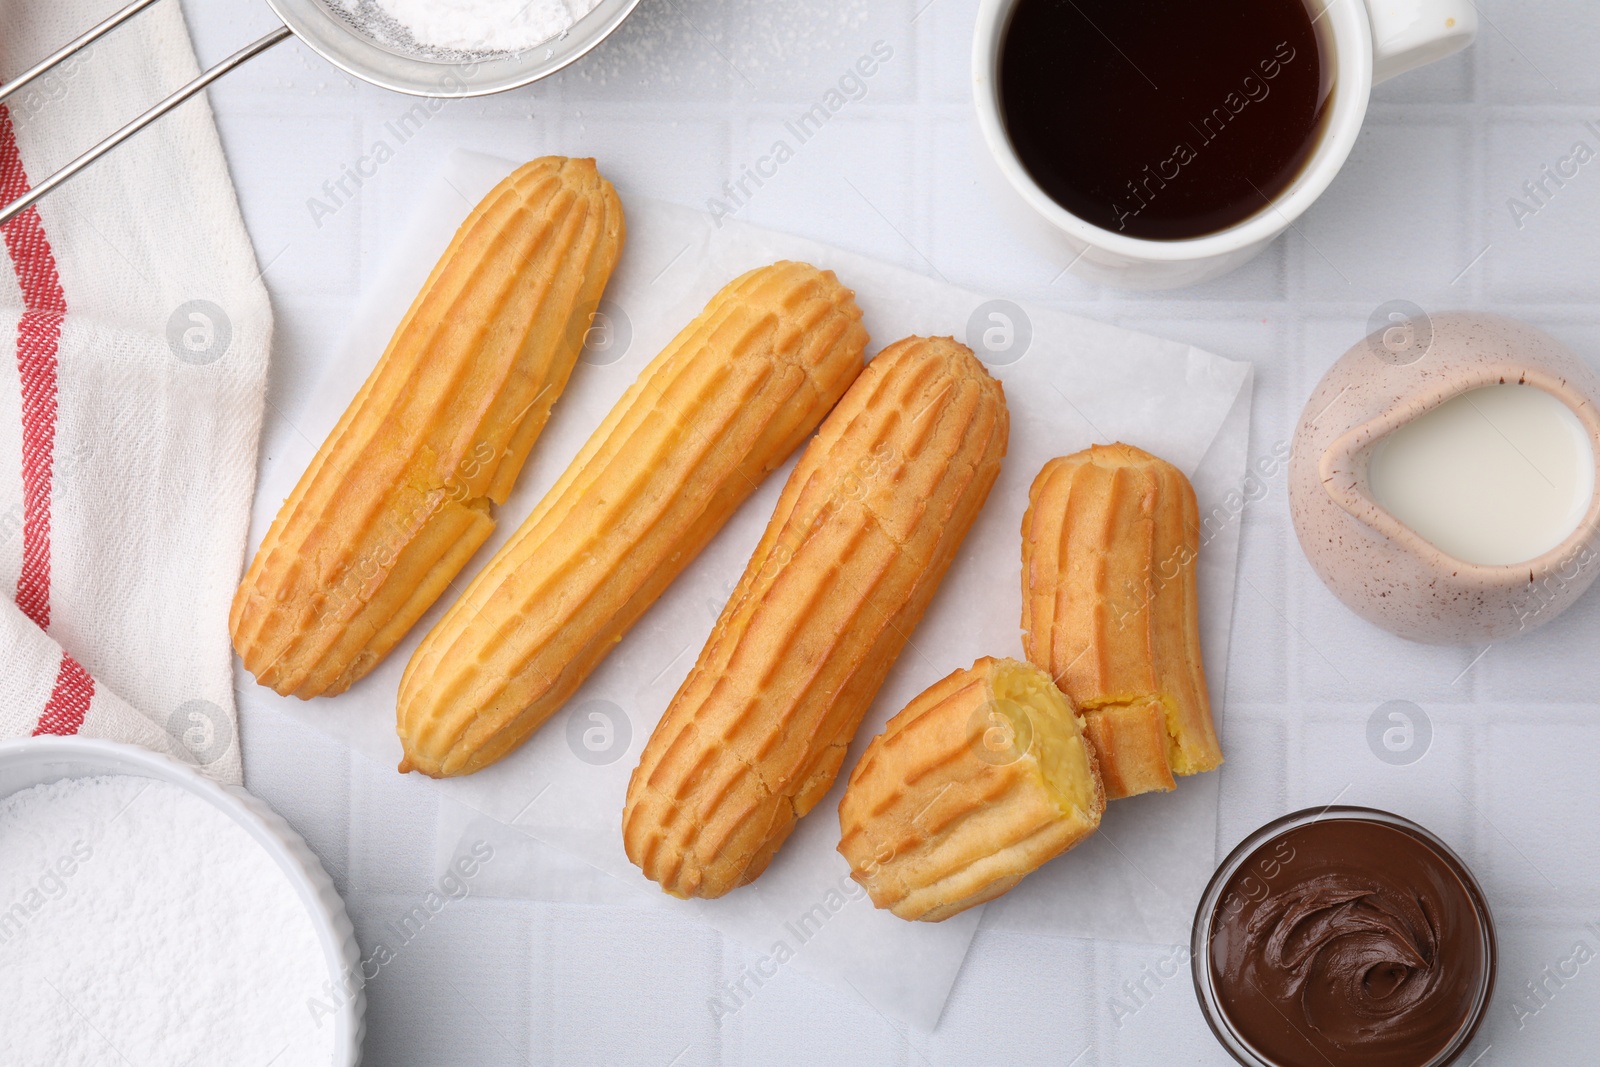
pixel 130 399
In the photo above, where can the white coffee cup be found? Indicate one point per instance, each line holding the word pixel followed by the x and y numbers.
pixel 1371 41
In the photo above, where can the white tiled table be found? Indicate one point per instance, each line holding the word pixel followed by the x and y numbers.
pixel 690 91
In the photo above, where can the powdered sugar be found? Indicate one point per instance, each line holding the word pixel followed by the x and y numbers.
pixel 140 924
pixel 485 25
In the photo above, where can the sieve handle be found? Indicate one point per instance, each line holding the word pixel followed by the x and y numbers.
pixel 71 170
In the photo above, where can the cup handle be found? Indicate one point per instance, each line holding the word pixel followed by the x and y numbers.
pixel 1407 34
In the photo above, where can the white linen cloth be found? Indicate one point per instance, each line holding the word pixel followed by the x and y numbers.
pixel 135 335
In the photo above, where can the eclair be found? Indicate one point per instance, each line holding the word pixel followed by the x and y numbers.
pixel 865 529
pixel 728 400
pixel 403 491
pixel 1109 547
pixel 981 779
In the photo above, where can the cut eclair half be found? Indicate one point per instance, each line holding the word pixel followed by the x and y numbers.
pixel 1110 544
pixel 982 778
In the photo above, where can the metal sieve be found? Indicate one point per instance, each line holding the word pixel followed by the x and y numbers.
pixel 356 36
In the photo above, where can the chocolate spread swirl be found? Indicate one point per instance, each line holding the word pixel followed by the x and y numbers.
pixel 1362 946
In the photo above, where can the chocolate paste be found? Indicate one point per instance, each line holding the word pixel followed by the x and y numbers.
pixel 1346 941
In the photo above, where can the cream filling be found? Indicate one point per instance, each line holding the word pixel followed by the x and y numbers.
pixel 1038 710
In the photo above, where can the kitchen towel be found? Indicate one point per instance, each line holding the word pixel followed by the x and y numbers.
pixel 130 399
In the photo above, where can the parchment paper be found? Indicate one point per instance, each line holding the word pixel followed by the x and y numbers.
pixel 1069 382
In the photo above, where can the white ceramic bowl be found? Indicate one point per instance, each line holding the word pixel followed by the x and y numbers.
pixel 27 762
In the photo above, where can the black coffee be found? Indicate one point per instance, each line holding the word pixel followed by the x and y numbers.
pixel 1163 118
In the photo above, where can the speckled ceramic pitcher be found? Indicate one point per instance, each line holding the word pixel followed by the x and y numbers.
pixel 1382 569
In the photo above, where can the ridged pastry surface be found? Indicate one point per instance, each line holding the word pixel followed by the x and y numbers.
pixel 399 496
pixel 981 779
pixel 1109 548
pixel 866 527
pixel 727 401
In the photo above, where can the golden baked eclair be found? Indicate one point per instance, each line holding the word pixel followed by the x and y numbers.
pixel 863 533
pixel 982 778
pixel 1109 546
pixel 729 399
pixel 399 496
